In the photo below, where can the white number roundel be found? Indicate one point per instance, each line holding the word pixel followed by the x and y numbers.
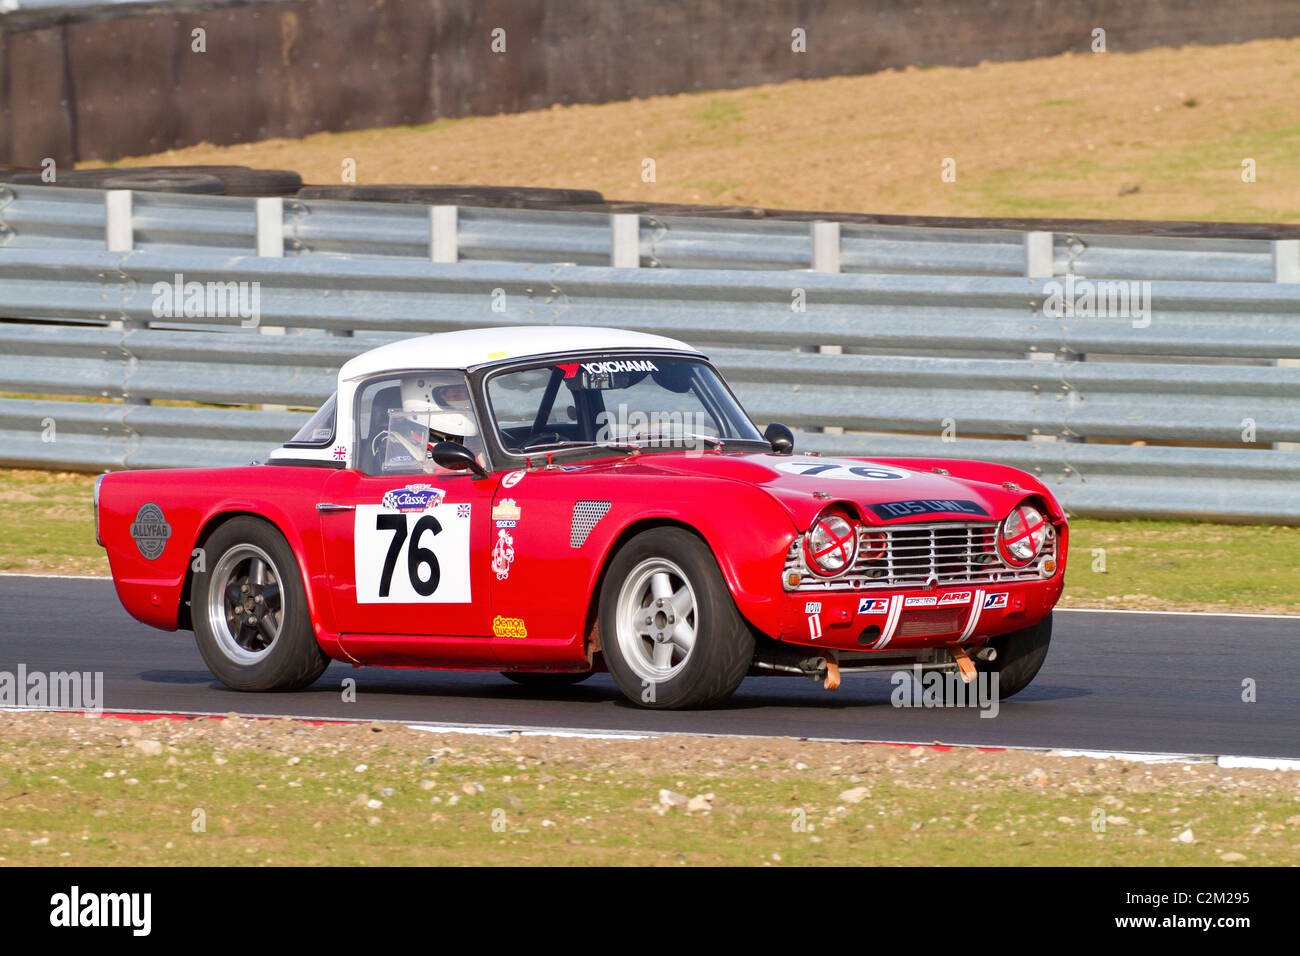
pixel 839 469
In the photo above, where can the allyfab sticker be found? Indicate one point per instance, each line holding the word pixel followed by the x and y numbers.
pixel 995 600
pixel 150 530
pixel 503 554
pixel 413 498
pixel 873 605
pixel 509 627
pixel 411 557
pixel 512 479
pixel 505 513
pixel 927 506
pixel 924 601
pixel 955 597
pixel 837 469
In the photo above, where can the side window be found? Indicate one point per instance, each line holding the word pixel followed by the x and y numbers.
pixel 400 416
pixel 319 430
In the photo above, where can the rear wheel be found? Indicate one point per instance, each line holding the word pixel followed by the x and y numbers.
pixel 669 629
pixel 1020 655
pixel 249 610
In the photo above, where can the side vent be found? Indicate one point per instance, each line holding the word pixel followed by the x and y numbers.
pixel 585 516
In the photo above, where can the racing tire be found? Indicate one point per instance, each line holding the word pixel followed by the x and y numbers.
pixel 670 632
pixel 1020 655
pixel 542 680
pixel 249 610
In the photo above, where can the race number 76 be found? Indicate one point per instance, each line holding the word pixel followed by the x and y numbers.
pixel 416 556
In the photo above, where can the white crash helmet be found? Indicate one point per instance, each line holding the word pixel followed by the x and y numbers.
pixel 446 424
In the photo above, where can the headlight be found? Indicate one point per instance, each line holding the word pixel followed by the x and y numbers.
pixel 1022 535
pixel 830 545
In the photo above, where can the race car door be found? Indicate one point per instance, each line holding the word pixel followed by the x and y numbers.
pixel 406 543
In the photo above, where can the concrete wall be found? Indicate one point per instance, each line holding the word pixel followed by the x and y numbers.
pixel 124 81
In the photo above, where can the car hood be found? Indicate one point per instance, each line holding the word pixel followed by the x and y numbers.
pixel 884 491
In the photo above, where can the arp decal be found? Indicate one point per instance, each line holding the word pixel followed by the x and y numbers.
pixel 150 531
pixel 873 605
pixel 838 469
pixel 411 557
pixel 955 597
pixel 928 506
pixel 413 498
pixel 509 627
pixel 505 513
pixel 503 554
pixel 996 600
pixel 512 479
pixel 923 601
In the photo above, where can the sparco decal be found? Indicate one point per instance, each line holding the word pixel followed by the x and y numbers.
pixel 150 530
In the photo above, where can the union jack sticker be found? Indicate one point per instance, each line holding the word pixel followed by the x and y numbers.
pixel 462 511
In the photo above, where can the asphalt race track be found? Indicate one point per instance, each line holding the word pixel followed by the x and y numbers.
pixel 1112 681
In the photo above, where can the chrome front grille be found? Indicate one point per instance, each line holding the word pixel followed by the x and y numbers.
pixel 942 553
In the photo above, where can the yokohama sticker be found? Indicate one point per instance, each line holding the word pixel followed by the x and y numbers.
pixel 150 531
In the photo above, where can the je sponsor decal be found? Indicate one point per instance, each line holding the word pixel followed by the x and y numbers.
pixel 413 498
pixel 505 513
pixel 509 627
pixel 996 600
pixel 150 530
pixel 813 607
pixel 925 506
pixel 512 479
pixel 926 601
pixel 956 597
pixel 503 554
pixel 873 605
pixel 839 469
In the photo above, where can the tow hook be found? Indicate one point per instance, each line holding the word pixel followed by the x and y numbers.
pixel 964 663
pixel 824 668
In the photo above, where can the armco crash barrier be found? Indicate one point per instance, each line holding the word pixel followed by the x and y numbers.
pixel 1189 408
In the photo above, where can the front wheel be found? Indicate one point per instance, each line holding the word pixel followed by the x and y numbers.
pixel 1020 655
pixel 249 610
pixel 670 632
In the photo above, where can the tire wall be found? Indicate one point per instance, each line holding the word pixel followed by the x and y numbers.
pixel 106 83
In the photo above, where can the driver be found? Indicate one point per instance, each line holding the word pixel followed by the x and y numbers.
pixel 445 407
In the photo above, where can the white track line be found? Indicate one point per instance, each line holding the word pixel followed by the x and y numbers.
pixel 1126 610
pixel 1227 761
pixel 62 577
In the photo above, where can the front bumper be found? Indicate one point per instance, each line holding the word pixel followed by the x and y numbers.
pixel 880 620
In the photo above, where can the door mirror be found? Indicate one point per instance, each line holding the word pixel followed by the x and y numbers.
pixel 780 438
pixel 456 457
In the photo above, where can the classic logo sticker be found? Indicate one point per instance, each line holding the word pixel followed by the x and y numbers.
pixel 413 498
pixel 512 479
pixel 956 597
pixel 925 506
pixel 838 469
pixel 873 605
pixel 150 530
pixel 505 513
pixel 996 600
pixel 509 627
pixel 503 554
pixel 925 601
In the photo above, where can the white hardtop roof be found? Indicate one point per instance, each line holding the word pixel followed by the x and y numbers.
pixel 471 347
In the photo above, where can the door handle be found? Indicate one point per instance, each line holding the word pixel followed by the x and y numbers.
pixel 325 507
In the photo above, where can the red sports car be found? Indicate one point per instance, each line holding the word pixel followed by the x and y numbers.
pixel 552 502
